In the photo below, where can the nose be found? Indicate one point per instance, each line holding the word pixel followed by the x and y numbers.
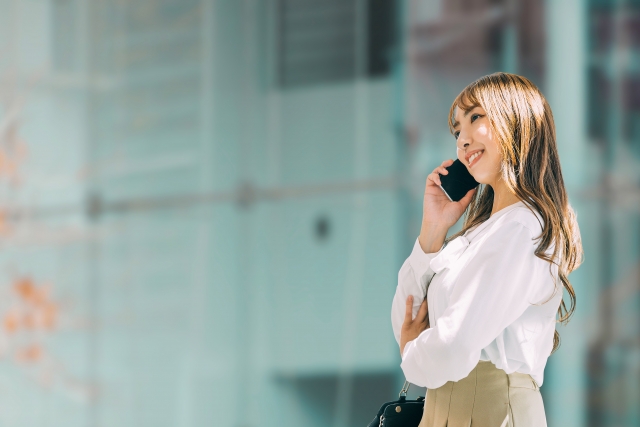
pixel 463 141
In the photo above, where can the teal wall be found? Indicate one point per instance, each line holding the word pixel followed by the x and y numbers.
pixel 222 250
pixel 177 192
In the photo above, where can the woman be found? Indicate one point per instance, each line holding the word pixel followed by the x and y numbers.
pixel 480 339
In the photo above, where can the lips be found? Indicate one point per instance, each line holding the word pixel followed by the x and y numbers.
pixel 475 160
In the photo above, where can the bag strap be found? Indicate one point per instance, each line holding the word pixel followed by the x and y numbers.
pixel 405 388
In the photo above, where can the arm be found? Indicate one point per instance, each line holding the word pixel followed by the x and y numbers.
pixel 490 293
pixel 412 280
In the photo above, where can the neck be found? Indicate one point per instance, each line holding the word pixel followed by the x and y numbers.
pixel 502 197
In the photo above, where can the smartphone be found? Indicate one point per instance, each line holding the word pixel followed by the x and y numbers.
pixel 457 182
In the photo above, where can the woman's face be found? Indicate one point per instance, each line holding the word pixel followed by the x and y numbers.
pixel 477 148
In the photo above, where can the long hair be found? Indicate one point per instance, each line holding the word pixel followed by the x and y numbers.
pixel 522 121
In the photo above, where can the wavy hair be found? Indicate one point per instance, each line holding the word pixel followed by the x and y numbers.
pixel 522 121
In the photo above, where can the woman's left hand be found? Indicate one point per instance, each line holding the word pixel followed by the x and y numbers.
pixel 411 328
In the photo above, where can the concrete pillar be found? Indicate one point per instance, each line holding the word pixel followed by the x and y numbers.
pixel 564 387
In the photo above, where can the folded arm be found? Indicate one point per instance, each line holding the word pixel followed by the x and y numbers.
pixel 490 293
pixel 412 280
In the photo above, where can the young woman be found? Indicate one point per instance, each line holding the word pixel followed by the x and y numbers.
pixel 475 314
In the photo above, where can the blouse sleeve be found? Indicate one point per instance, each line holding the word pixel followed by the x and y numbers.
pixel 490 293
pixel 412 280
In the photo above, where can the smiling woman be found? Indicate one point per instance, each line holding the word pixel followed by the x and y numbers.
pixel 481 130
pixel 463 303
pixel 480 151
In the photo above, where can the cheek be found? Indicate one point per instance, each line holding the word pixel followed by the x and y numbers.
pixel 491 147
pixel 494 159
pixel 484 131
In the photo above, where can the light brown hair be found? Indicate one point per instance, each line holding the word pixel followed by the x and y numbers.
pixel 523 125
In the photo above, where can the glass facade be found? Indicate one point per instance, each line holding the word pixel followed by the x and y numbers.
pixel 204 204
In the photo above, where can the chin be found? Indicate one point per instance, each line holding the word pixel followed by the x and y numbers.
pixel 482 178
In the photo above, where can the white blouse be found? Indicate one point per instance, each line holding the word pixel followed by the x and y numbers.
pixel 491 299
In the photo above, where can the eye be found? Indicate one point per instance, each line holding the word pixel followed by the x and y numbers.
pixel 456 134
pixel 474 116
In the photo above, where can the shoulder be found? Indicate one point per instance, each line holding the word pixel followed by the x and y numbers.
pixel 525 216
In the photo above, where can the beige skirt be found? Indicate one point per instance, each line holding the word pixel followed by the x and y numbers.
pixel 487 397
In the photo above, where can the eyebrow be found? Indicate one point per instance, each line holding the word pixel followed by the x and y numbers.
pixel 466 113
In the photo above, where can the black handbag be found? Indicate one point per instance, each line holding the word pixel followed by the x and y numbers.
pixel 401 412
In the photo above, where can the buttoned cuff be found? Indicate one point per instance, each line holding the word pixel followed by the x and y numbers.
pixel 420 260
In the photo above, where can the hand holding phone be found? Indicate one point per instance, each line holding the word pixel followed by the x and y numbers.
pixel 457 182
pixel 440 209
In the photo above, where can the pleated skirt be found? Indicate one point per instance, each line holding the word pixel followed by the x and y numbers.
pixel 487 397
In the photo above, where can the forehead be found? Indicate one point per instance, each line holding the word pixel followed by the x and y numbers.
pixel 457 113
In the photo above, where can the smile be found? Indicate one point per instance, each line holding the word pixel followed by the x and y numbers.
pixel 474 158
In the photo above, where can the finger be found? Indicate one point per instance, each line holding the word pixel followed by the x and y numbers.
pixel 408 314
pixel 443 170
pixel 435 178
pixel 422 313
pixel 467 197
pixel 447 162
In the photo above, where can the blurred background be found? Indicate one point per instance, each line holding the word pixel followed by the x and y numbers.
pixel 204 204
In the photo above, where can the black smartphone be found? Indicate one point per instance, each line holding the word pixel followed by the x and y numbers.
pixel 457 182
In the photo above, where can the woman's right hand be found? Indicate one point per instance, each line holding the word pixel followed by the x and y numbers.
pixel 438 212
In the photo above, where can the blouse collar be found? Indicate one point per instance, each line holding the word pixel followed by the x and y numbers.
pixel 457 246
pixel 475 230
